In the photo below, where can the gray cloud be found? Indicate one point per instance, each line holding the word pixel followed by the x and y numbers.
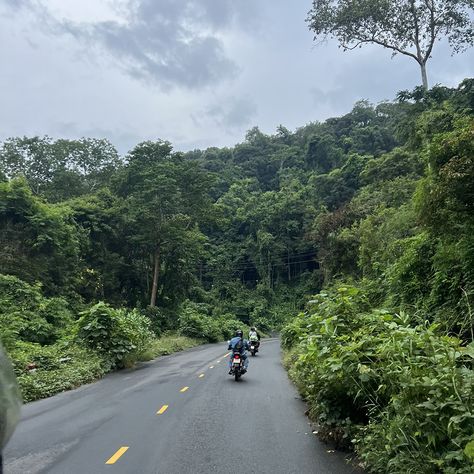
pixel 166 42
pixel 232 114
pixel 164 53
pixel 15 3
pixel 365 77
pixel 245 14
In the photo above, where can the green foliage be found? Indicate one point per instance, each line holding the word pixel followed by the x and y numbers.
pixel 402 394
pixel 158 320
pixel 163 198
pixel 409 277
pixel 169 343
pixel 61 169
pixel 228 325
pixel 196 322
pixel 44 371
pixel 447 195
pixel 445 201
pixel 118 335
pixel 103 273
pixel 398 162
pixel 384 236
pixel 25 314
pixel 428 421
pixel 38 242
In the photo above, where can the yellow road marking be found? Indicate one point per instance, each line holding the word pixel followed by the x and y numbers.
pixel 201 376
pixel 184 389
pixel 117 455
pixel 162 410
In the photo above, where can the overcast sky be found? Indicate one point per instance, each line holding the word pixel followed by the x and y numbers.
pixel 198 73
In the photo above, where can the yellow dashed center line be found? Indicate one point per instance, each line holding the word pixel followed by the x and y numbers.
pixel 184 389
pixel 162 410
pixel 201 376
pixel 117 455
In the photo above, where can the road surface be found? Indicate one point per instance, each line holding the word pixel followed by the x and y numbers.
pixel 178 414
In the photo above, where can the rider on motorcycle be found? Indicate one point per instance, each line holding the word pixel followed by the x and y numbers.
pixel 240 345
pixel 9 402
pixel 253 334
pixel 254 337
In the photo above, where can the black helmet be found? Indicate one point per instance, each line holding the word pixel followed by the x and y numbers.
pixel 9 400
pixel 239 333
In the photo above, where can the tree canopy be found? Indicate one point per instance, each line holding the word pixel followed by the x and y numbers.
pixel 407 27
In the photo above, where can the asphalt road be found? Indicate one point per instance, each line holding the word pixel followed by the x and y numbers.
pixel 146 421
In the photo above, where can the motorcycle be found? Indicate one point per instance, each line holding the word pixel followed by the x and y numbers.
pixel 237 366
pixel 254 345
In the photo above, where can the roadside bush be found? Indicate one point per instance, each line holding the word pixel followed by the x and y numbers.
pixel 195 322
pixel 403 395
pixel 119 335
pixel 136 329
pixel 169 343
pixel 427 422
pixel 294 331
pixel 228 325
pixel 162 319
pixel 43 371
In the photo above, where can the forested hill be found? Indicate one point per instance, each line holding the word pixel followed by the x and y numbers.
pixel 250 230
pixel 100 253
pixel 220 217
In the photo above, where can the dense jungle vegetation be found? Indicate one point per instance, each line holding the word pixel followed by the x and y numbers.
pixel 106 260
pixel 384 353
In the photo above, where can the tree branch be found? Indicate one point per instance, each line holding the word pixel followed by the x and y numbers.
pixel 433 33
pixel 380 43
pixel 417 30
pixel 395 48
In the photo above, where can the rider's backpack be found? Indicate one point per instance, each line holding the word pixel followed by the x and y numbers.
pixel 239 346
